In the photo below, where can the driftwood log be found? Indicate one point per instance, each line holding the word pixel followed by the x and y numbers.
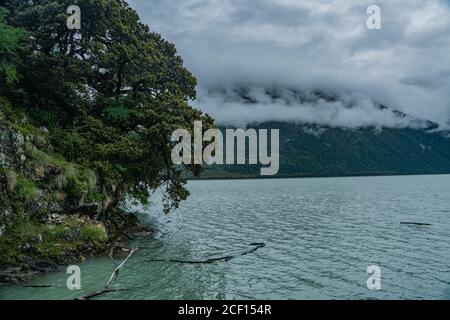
pixel 416 223
pixel 212 260
pixel 115 273
pixel 114 276
pixel 99 293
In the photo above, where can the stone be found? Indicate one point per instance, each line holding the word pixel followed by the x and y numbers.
pixel 26 246
pixel 55 218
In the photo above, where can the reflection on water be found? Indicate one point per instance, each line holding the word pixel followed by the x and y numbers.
pixel 321 236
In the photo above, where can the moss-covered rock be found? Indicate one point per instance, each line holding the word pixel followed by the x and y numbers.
pixel 31 246
pixel 50 207
pixel 36 181
pixel 40 194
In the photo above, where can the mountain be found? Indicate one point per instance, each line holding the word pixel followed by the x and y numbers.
pixel 311 150
pixel 308 151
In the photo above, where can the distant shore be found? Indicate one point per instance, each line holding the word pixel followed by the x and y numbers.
pixel 255 177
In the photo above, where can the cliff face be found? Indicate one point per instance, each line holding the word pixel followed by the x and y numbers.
pixel 36 182
pixel 52 212
pixel 109 117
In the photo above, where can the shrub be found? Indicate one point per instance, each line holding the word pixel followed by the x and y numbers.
pixel 25 189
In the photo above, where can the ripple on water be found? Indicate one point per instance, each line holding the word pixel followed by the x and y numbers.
pixel 321 236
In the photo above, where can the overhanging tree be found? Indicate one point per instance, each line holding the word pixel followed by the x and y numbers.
pixel 11 40
pixel 111 93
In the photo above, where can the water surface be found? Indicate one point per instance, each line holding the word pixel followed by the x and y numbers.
pixel 320 235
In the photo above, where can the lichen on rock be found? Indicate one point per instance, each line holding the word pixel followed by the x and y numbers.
pixel 50 209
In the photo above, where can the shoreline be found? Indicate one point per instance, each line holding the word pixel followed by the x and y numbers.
pixel 316 176
pixel 15 274
pixel 35 264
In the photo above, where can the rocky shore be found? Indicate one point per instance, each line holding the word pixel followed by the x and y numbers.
pixel 58 243
pixel 53 213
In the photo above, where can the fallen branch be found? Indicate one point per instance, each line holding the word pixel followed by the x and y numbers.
pixel 106 291
pixel 257 246
pixel 40 286
pixel 212 260
pixel 222 259
pixel 99 293
pixel 416 223
pixel 113 277
pixel 115 273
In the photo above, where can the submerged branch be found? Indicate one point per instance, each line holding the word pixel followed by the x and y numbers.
pixel 113 277
pixel 40 286
pixel 416 223
pixel 99 293
pixel 115 273
pixel 212 260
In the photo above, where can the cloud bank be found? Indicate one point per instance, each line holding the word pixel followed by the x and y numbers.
pixel 310 45
pixel 240 107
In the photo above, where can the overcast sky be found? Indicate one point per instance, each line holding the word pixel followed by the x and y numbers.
pixel 307 45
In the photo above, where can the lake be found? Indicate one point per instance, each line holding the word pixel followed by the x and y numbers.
pixel 321 235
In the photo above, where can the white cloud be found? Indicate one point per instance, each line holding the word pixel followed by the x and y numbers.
pixel 313 44
pixel 232 106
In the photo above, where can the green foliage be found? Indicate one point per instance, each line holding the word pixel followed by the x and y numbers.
pixel 119 112
pixel 307 151
pixel 11 180
pixel 39 157
pixel 25 190
pixel 18 231
pixel 23 228
pixel 111 94
pixel 26 239
pixel 73 146
pixel 92 234
pixel 79 182
pixel 11 45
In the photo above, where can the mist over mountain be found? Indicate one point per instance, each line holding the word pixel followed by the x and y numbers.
pixel 309 46
pixel 240 106
pixel 347 100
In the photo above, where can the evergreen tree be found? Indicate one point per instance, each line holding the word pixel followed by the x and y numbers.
pixel 11 40
pixel 111 93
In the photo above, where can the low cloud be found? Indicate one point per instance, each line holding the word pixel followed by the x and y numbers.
pixel 313 45
pixel 237 106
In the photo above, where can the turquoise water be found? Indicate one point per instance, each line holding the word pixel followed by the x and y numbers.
pixel 320 235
